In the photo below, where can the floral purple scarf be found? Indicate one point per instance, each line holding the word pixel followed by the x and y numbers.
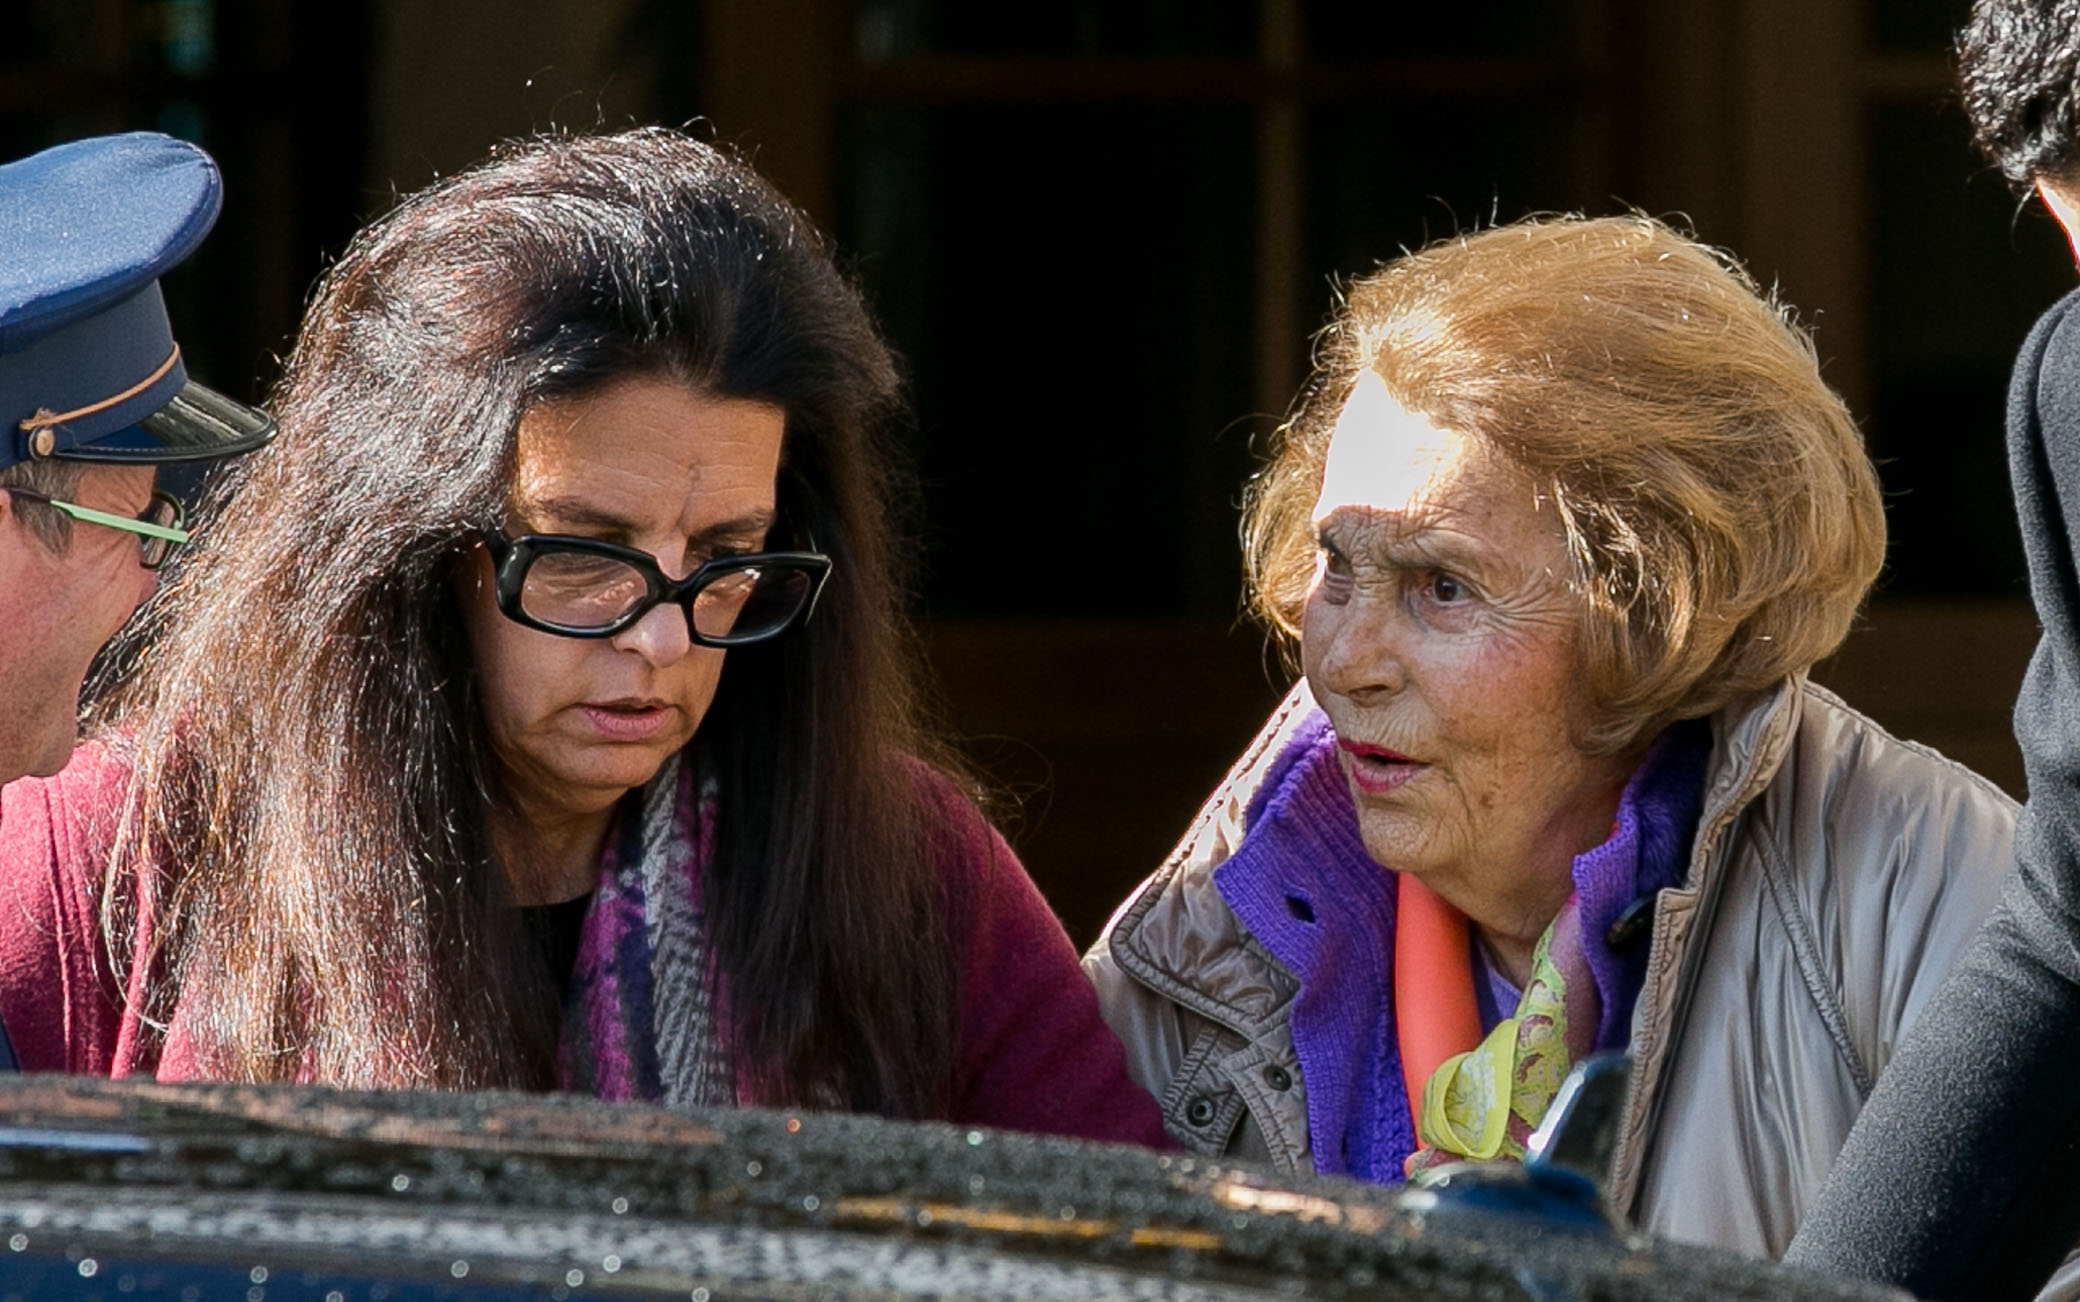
pixel 643 1020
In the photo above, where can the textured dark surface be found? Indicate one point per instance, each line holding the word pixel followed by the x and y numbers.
pixel 325 1192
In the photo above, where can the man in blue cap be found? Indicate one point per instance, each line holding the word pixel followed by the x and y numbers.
pixel 93 398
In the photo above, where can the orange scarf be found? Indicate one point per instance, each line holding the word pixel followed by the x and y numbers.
pixel 1435 1016
pixel 1476 1097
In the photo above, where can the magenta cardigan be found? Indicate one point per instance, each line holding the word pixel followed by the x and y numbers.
pixel 1033 1052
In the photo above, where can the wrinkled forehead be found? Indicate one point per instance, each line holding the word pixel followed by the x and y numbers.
pixel 1384 457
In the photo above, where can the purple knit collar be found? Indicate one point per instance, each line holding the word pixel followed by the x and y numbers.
pixel 1302 883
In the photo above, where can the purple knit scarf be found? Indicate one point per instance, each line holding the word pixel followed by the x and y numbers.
pixel 642 1020
pixel 1302 883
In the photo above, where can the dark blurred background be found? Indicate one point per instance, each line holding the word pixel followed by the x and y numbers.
pixel 1101 233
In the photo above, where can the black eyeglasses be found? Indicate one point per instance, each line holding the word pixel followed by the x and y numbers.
pixel 158 528
pixel 583 587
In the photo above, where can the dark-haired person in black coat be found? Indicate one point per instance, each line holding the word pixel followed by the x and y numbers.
pixel 1962 1176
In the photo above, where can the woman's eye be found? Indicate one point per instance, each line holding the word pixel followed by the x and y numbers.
pixel 1332 573
pixel 719 554
pixel 1444 589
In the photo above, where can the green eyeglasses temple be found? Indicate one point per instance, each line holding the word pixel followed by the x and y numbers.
pixel 126 523
pixel 145 527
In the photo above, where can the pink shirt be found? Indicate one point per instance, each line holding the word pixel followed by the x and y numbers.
pixel 1033 1052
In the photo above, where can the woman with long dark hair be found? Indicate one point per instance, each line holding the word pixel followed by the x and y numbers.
pixel 537 712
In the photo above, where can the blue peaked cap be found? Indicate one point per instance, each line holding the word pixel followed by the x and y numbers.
pixel 88 365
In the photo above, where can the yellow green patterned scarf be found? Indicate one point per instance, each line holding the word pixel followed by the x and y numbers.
pixel 1483 1104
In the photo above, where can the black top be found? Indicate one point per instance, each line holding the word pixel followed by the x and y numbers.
pixel 556 928
pixel 1959 1178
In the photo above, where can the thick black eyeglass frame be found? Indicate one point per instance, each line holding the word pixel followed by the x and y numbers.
pixel 511 558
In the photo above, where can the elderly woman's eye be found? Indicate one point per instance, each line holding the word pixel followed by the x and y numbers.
pixel 1332 573
pixel 1446 589
pixel 1331 563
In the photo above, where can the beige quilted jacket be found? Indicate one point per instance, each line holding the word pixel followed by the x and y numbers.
pixel 1836 873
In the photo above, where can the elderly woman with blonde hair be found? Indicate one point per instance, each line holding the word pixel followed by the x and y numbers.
pixel 1560 527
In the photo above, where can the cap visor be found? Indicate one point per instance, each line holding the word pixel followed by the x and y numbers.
pixel 200 424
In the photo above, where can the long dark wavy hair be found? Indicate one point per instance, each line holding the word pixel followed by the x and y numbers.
pixel 308 815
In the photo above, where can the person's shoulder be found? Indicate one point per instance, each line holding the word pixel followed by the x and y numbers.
pixel 1270 764
pixel 57 992
pixel 1882 857
pixel 2060 320
pixel 978 872
pixel 951 812
pixel 1891 838
pixel 1847 753
pixel 938 793
pixel 2044 389
pixel 1176 924
pixel 65 819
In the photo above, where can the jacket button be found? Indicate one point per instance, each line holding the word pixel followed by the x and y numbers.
pixel 1199 1111
pixel 1278 1078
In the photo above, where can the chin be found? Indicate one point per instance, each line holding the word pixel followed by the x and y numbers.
pixel 1395 845
pixel 624 766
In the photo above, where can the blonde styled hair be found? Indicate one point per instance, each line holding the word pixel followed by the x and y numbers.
pixel 1722 516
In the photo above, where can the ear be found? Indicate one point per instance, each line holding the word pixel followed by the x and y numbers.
pixel 17 545
pixel 16 534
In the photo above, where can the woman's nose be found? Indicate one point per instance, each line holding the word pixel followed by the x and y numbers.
pixel 660 636
pixel 1353 650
